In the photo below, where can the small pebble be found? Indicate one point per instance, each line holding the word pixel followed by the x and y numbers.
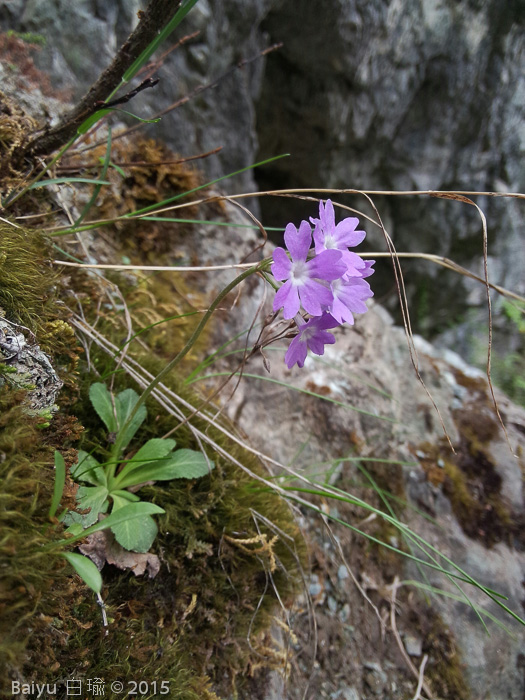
pixel 344 613
pixel 342 572
pixel 413 645
pixel 315 589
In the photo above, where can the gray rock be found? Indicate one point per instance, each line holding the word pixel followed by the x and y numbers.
pixel 376 352
pixel 30 368
pixel 387 95
pixel 342 572
pixel 413 645
pixel 347 693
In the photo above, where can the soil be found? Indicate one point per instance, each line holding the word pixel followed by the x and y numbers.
pixel 344 646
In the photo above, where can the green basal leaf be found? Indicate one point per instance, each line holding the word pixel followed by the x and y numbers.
pixel 88 469
pixel 125 402
pixel 152 451
pixel 101 399
pixel 183 464
pixel 133 510
pixel 94 497
pixel 137 535
pixel 85 568
pixel 119 501
pixel 76 526
pixel 60 480
pixel 127 495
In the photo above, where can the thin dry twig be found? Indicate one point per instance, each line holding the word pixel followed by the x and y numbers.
pixel 137 163
pixel 189 96
pixel 400 284
pixel 360 588
pixel 156 15
pixel 489 306
pixel 399 641
pixel 421 677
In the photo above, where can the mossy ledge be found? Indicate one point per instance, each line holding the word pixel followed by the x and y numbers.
pixel 226 543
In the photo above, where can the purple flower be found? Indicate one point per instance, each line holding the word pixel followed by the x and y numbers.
pixel 331 236
pixel 306 281
pixel 312 336
pixel 367 270
pixel 349 295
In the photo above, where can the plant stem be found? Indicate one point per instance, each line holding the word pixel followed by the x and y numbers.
pixel 167 369
pixel 152 20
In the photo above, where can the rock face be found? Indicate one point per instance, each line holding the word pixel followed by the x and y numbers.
pixel 404 96
pixel 363 94
pixel 362 398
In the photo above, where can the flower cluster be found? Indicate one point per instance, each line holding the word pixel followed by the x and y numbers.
pixel 330 286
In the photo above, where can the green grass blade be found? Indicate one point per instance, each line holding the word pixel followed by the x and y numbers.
pixel 160 205
pixel 299 389
pixel 459 599
pixel 177 18
pixel 91 121
pixel 96 190
pixel 152 325
pixel 135 116
pixel 211 222
pixel 65 180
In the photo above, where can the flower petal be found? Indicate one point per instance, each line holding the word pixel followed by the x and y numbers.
pixel 354 264
pixel 299 241
pixel 296 353
pixel 327 265
pixel 317 342
pixel 367 270
pixel 314 297
pixel 281 264
pixel 345 232
pixel 288 298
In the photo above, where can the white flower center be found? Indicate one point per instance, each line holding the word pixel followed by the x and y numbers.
pixel 329 242
pixel 299 273
pixel 308 333
pixel 336 287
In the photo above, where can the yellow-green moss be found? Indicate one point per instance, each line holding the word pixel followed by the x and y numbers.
pixel 469 477
pixel 445 669
pixel 27 281
pixel 225 543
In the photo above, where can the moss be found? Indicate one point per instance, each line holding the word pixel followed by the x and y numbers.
pixel 206 614
pixel 470 479
pixel 444 670
pixel 29 572
pixel 153 173
pixel 15 126
pixel 27 281
pixel 225 543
